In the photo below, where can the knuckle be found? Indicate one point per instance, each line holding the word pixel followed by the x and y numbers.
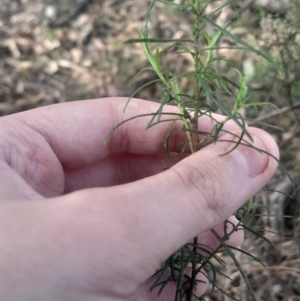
pixel 205 187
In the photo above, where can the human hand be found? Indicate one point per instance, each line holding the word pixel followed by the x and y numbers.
pixel 70 231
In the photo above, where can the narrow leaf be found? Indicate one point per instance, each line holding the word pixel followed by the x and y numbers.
pixel 238 265
pixel 238 40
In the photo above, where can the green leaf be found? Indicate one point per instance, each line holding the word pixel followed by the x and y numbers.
pixel 139 73
pixel 258 104
pixel 257 234
pixel 153 40
pixel 228 113
pixel 160 274
pixel 157 114
pixel 185 50
pixel 238 265
pixel 219 58
pixel 153 60
pixel 139 116
pixel 207 37
pixel 163 285
pixel 248 254
pixel 139 89
pixel 187 74
pixel 211 43
pixel 147 18
pixel 242 94
pixel 224 78
pixel 275 127
pixel 180 7
pixel 238 40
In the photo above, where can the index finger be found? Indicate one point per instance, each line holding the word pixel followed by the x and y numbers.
pixel 76 130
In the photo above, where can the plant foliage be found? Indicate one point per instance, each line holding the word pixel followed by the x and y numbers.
pixel 211 93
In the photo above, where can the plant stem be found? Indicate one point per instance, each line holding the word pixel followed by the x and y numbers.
pixel 194 271
pixel 196 33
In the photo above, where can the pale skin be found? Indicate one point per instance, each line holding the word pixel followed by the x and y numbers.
pixel 83 220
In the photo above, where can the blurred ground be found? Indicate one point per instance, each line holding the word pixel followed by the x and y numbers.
pixel 54 51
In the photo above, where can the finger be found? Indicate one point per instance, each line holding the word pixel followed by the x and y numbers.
pixel 165 211
pixel 121 235
pixel 210 187
pixel 76 131
pixel 13 186
pixel 117 169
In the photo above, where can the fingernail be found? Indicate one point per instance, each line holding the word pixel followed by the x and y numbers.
pixel 257 161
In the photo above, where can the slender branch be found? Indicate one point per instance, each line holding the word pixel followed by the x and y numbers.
pixel 272 114
pixel 196 58
pixel 196 33
pixel 194 271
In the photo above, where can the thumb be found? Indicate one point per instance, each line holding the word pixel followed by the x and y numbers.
pixel 199 192
pixel 148 220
